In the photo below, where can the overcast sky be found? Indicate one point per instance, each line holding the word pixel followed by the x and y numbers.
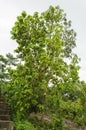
pixel 75 10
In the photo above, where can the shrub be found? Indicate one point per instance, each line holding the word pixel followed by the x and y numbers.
pixel 23 125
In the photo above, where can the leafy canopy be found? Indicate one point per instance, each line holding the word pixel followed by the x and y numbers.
pixel 43 80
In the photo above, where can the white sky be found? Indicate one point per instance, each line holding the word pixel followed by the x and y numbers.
pixel 75 10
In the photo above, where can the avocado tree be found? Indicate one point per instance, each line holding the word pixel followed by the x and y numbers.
pixel 42 75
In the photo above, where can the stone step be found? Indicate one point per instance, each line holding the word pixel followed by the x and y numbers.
pixel 3 105
pixel 2 99
pixel 4 112
pixel 4 117
pixel 6 125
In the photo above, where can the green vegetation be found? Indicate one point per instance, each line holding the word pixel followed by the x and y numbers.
pixel 24 125
pixel 41 83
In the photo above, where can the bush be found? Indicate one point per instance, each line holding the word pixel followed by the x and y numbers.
pixel 23 125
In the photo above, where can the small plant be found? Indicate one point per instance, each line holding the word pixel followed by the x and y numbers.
pixel 24 125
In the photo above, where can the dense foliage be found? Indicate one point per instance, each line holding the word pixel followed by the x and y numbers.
pixel 41 83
